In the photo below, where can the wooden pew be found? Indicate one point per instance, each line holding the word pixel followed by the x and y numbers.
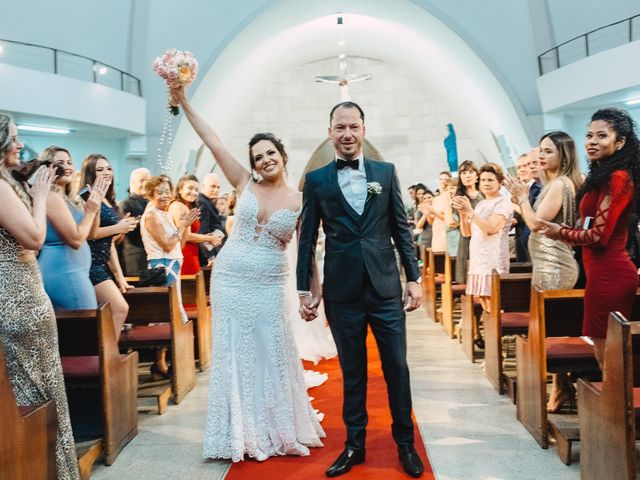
pixel 159 306
pixel 435 277
pixel 609 411
pixel 449 292
pixel 207 280
pixel 28 438
pixel 99 379
pixel 510 302
pixel 553 345
pixel 194 298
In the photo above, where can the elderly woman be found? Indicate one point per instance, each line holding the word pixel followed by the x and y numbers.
pixel 488 226
pixel 28 333
pixel 163 242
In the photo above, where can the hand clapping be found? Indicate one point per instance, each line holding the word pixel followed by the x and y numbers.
pixel 461 203
pixel 518 190
pixel 127 223
pixel 44 178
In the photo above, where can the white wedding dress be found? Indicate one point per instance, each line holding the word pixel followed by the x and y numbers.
pixel 258 404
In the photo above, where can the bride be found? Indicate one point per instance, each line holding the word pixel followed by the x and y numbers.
pixel 258 404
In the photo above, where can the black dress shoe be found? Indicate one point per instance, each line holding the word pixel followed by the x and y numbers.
pixel 347 459
pixel 410 461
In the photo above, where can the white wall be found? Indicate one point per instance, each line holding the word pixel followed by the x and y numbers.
pixel 96 29
pixel 405 119
pixel 572 18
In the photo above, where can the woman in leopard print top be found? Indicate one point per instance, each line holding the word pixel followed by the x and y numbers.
pixel 28 334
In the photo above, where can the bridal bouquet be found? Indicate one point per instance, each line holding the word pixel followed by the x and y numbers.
pixel 176 68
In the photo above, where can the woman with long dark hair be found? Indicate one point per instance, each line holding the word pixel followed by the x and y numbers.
pixel 468 180
pixel 105 272
pixel 607 198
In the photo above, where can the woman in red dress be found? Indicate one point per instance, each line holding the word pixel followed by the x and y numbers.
pixel 185 198
pixel 609 195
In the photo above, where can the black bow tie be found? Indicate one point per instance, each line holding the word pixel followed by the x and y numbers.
pixel 347 163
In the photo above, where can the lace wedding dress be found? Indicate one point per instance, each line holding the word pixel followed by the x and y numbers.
pixel 258 404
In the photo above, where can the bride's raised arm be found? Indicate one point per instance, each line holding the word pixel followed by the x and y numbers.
pixel 237 174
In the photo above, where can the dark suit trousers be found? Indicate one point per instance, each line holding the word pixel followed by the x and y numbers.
pixel 348 322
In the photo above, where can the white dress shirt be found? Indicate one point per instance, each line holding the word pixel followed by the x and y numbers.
pixel 353 184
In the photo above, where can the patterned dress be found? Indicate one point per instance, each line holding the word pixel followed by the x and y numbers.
pixel 29 338
pixel 258 403
pixel 101 248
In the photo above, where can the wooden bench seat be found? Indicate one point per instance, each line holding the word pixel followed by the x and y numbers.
pixel 510 302
pixel 100 380
pixel 28 435
pixel 448 296
pixel 554 314
pixel 434 279
pixel 194 298
pixel 155 315
pixel 609 411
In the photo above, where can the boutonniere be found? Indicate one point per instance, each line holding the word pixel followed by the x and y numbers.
pixel 373 189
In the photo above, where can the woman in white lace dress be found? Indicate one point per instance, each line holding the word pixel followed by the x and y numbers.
pixel 258 403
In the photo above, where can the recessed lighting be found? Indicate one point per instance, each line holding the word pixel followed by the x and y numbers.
pixel 342 43
pixel 633 101
pixel 33 128
pixel 1 49
pixel 100 70
pixel 342 56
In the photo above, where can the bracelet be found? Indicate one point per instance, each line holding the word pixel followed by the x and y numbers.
pixel 304 294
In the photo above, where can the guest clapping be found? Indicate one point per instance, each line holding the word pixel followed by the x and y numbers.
pixel 488 225
pixel 468 174
pixel 28 332
pixel 65 258
pixel 186 199
pixel 162 237
pixel 106 273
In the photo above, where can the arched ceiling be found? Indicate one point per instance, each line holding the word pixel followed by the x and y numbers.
pixel 399 32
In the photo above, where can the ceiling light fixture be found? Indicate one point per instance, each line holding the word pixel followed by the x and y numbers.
pixel 33 128
pixel 100 70
pixel 633 101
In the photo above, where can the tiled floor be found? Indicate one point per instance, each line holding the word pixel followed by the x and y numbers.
pixel 471 433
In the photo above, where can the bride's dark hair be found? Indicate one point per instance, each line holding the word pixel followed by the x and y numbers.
pixel 271 138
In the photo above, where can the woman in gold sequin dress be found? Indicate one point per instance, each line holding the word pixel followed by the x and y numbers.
pixel 553 264
pixel 28 334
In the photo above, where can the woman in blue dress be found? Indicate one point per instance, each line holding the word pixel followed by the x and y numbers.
pixel 105 272
pixel 65 257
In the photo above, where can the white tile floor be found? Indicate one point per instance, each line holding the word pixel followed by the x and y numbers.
pixel 471 433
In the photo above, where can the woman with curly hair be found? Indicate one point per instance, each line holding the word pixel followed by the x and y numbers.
pixel 607 198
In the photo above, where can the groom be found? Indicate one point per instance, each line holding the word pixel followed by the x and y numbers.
pixel 360 206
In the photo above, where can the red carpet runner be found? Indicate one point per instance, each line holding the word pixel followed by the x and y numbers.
pixel 382 458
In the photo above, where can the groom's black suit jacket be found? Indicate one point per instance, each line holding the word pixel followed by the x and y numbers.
pixel 355 243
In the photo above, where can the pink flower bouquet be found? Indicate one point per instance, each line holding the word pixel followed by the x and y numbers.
pixel 176 68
